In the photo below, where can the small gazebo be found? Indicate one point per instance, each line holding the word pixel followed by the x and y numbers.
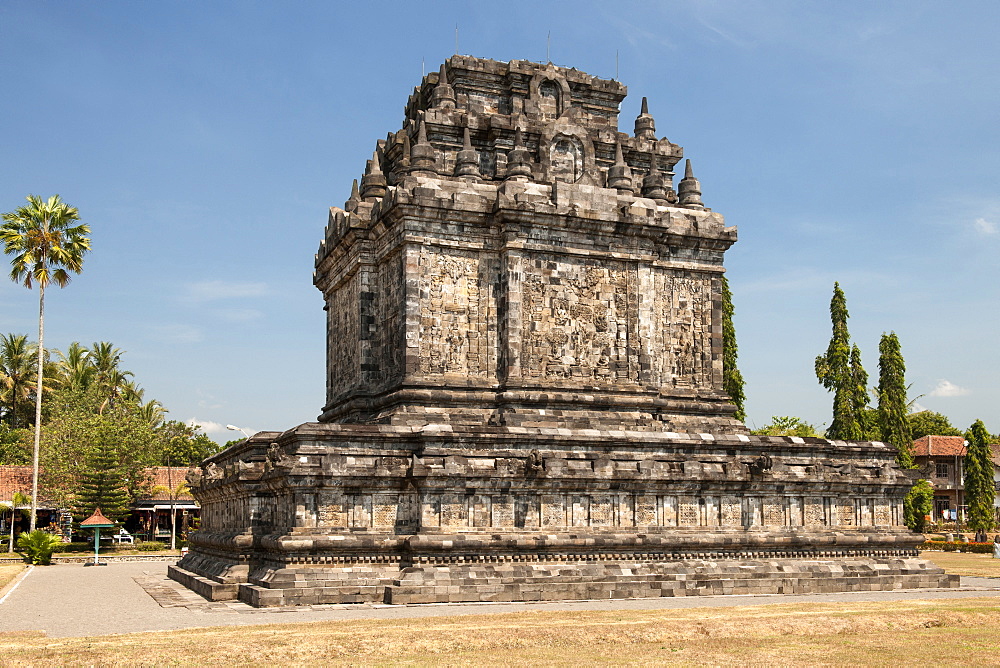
pixel 97 521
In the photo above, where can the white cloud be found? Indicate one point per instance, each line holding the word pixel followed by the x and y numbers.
pixel 984 226
pixel 207 291
pixel 206 426
pixel 946 388
pixel 210 428
pixel 916 407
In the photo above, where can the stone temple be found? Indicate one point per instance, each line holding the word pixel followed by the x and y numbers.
pixel 524 387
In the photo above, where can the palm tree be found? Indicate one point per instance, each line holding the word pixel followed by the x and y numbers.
pixel 112 381
pixel 17 366
pixel 152 412
pixel 19 501
pixel 47 244
pixel 75 371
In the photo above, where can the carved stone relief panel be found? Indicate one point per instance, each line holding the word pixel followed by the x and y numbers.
pixel 455 313
pixel 601 511
pixel 575 320
pixel 774 512
pixel 687 511
pixel 731 511
pixel 343 333
pixel 384 510
pixel 553 510
pixel 332 510
pixel 388 322
pixel 814 512
pixel 454 511
pixel 682 330
pixel 503 511
pixel 645 511
pixel 845 512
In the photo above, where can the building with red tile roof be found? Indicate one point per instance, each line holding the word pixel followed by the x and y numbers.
pixel 940 460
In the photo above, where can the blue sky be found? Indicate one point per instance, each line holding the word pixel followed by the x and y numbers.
pixel 204 141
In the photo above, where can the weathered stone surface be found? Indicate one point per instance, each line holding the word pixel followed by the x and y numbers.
pixel 524 387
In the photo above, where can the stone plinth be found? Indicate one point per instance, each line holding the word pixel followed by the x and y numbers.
pixel 331 513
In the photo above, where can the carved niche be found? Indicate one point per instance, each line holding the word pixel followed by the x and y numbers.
pixel 566 159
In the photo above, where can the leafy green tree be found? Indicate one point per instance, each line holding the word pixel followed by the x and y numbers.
pixel 102 484
pixel 786 425
pixel 834 372
pixel 732 379
pixel 76 431
pixel 15 446
pixel 17 370
pixel 929 423
pixel 917 505
pixel 182 445
pixel 892 399
pixel 979 489
pixel 47 244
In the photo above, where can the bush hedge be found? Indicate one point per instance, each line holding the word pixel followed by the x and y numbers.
pixel 150 546
pixel 955 546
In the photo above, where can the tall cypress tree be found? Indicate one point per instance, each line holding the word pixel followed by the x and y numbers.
pixel 979 478
pixel 834 372
pixel 866 418
pixel 892 420
pixel 732 379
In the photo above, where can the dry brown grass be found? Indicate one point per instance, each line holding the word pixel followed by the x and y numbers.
pixel 945 632
pixel 979 565
pixel 8 572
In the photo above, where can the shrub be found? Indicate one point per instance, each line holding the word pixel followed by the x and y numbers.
pixel 917 505
pixel 150 546
pixel 77 546
pixel 38 546
pixel 953 546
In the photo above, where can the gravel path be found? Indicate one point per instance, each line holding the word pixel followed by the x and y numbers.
pixel 69 600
